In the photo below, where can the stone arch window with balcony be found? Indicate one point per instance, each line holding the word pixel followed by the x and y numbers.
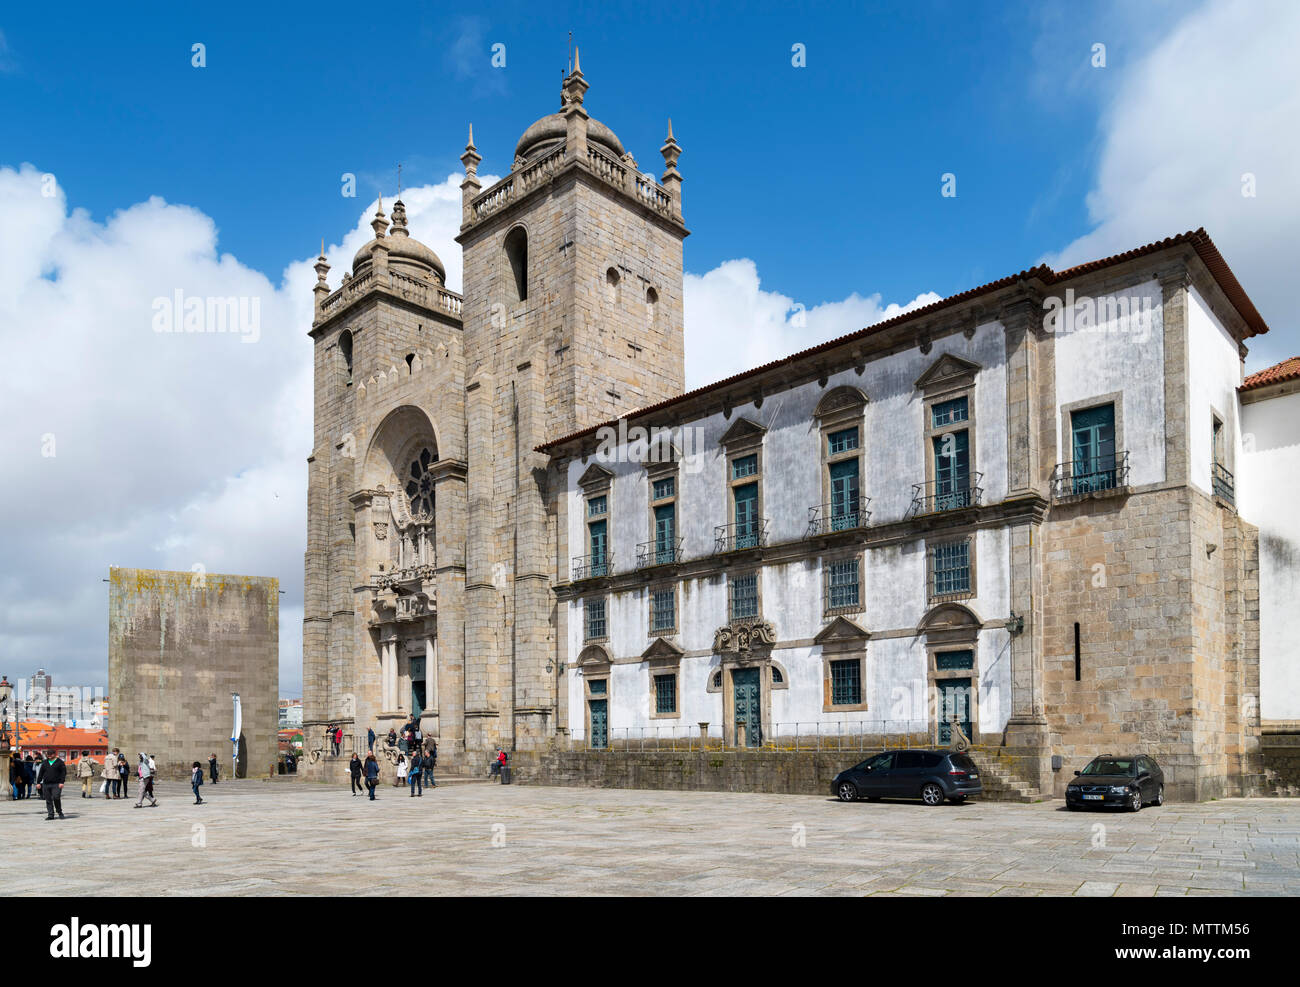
pixel 662 475
pixel 948 396
pixel 1092 433
pixel 598 559
pixel 746 527
pixel 841 432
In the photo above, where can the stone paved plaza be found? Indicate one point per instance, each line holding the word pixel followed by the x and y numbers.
pixel 265 838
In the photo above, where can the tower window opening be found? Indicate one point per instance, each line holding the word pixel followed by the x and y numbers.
pixel 612 278
pixel 345 348
pixel 516 244
pixel 410 363
pixel 651 305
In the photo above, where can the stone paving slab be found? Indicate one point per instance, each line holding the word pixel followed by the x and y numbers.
pixel 259 838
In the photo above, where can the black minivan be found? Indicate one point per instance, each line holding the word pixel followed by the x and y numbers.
pixel 930 776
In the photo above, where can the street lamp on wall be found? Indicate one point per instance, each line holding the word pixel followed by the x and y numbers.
pixel 1015 623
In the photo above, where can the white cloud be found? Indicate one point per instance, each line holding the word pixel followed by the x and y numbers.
pixel 176 449
pixel 733 325
pixel 1216 99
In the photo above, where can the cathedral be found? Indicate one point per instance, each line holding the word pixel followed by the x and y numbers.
pixel 1009 516
pixel 431 526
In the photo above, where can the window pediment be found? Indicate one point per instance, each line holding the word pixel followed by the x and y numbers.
pixel 742 433
pixel 596 477
pixel 947 372
pixel 842 630
pixel 840 401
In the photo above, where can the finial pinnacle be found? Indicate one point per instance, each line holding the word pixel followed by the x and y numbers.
pixel 322 247
pixel 577 66
pixel 670 128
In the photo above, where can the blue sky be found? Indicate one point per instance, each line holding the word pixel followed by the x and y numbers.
pixel 827 176
pixel 812 193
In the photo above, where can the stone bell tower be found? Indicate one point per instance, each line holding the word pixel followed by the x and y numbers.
pixel 572 316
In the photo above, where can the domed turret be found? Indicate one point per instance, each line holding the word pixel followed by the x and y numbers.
pixel 551 130
pixel 406 255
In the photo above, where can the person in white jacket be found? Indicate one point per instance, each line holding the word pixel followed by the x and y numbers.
pixel 401 771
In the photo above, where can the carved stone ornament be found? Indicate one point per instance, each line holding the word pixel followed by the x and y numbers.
pixel 743 638
pixel 959 740
pixel 381 530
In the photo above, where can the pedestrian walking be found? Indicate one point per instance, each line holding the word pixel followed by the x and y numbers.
pixel 354 769
pixel 430 762
pixel 372 775
pixel 49 781
pixel 415 774
pixel 196 780
pixel 370 739
pixel 16 783
pixel 401 770
pixel 86 772
pixel 212 767
pixel 107 776
pixel 29 775
pixel 123 775
pixel 146 783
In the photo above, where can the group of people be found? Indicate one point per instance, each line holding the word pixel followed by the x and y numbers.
pixel 334 737
pixel 49 774
pixel 416 761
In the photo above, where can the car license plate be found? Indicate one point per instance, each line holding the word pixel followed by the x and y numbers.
pixel 974 777
pixel 1097 797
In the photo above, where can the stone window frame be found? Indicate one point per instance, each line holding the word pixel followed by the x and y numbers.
pixel 715 680
pixel 843 640
pixel 968 536
pixel 937 389
pixel 660 587
pixel 673 673
pixel 828 611
pixel 655 472
pixel 840 408
pixel 587 638
pixel 775 668
pixel 732 576
pixel 1228 445
pixel 1114 398
pixel 744 438
pixel 598 482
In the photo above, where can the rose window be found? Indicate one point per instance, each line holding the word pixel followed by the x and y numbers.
pixel 419 486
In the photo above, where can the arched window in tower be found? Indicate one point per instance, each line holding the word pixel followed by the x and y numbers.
pixel 516 245
pixel 410 363
pixel 651 306
pixel 345 348
pixel 612 279
pixel 419 485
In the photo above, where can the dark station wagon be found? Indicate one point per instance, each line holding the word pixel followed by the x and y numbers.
pixel 930 776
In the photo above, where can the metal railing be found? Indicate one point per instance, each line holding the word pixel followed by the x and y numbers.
pixel 650 553
pixel 947 495
pixel 1093 475
pixel 843 515
pixel 856 736
pixel 1222 483
pixel 592 566
pixel 739 536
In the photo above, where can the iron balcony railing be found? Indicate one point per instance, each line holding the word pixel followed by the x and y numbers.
pixel 740 536
pixel 592 566
pixel 1093 475
pixel 1222 480
pixel 659 552
pixel 947 495
pixel 843 515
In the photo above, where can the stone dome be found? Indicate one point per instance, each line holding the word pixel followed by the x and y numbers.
pixel 406 255
pixel 549 131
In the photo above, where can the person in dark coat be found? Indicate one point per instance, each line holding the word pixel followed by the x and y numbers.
pixel 370 739
pixel 415 772
pixel 430 762
pixel 16 782
pixel 354 770
pixel 123 777
pixel 196 780
pixel 29 775
pixel 50 778
pixel 212 767
pixel 372 775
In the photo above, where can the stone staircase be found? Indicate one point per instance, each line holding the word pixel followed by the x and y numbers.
pixel 1000 780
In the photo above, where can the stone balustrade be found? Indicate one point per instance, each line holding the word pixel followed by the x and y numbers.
pixel 427 293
